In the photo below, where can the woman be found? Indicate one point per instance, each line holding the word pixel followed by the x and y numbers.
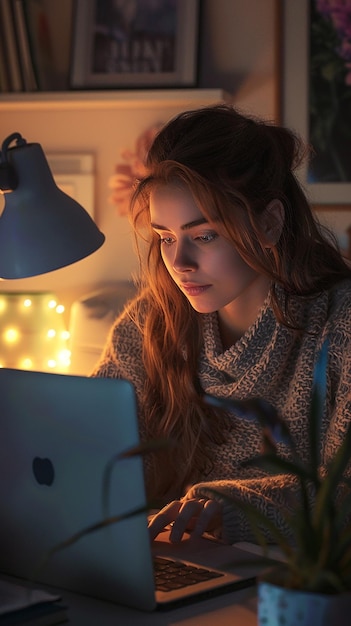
pixel 240 288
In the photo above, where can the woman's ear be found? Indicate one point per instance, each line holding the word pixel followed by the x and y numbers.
pixel 272 222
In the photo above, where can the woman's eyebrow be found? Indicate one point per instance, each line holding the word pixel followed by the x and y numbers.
pixel 187 226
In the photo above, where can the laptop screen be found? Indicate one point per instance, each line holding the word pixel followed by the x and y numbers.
pixel 58 433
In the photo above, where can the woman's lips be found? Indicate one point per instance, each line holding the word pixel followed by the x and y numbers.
pixel 194 290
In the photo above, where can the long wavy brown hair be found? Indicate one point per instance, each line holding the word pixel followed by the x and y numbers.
pixel 234 166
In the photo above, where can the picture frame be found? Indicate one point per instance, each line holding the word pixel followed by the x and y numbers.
pixel 74 175
pixel 299 105
pixel 140 44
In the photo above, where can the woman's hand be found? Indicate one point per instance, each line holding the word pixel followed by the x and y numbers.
pixel 187 515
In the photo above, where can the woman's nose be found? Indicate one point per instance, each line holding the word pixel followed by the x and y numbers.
pixel 185 258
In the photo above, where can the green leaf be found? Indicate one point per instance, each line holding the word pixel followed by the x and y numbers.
pixel 340 555
pixel 319 391
pixel 343 512
pixel 275 464
pixel 259 411
pixel 335 471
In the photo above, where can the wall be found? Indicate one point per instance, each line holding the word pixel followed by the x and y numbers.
pixel 240 52
pixel 237 53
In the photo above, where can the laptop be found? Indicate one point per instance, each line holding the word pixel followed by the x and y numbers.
pixel 58 435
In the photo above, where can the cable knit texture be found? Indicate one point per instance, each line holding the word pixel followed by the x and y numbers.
pixel 270 361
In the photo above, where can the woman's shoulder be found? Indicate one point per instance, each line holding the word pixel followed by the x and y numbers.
pixel 122 353
pixel 132 318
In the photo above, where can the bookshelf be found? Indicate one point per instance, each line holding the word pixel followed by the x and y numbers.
pixel 42 49
pixel 35 45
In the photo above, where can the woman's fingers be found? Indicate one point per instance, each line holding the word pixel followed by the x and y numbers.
pixel 193 515
pixel 210 517
pixel 163 518
pixel 186 518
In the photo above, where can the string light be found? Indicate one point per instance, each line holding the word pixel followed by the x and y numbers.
pixel 26 364
pixel 33 334
pixel 11 335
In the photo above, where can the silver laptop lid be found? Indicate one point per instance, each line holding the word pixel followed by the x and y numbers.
pixel 58 433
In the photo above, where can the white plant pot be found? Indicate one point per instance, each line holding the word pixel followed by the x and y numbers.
pixel 278 606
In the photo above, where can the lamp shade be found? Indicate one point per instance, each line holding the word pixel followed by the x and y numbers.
pixel 41 228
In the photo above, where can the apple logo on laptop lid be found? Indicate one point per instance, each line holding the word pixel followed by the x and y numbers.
pixel 43 471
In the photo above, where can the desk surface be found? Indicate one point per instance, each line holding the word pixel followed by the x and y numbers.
pixel 238 607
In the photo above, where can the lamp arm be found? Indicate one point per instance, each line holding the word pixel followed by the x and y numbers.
pixel 8 176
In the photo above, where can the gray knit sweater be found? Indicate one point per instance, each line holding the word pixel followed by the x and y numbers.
pixel 270 361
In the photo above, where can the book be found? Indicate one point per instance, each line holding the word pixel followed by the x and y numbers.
pixel 26 63
pixel 4 74
pixel 11 52
pixel 40 43
pixel 22 604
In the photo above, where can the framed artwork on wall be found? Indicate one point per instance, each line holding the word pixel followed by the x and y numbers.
pixel 316 96
pixel 137 44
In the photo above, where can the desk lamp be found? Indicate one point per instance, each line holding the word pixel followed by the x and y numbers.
pixel 41 228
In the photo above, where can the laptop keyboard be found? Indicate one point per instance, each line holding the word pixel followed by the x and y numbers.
pixel 171 575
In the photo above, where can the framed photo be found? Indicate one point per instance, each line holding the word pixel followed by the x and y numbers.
pixel 316 95
pixel 74 175
pixel 135 44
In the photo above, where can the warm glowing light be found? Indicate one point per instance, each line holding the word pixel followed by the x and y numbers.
pixel 26 363
pixel 11 335
pixel 32 334
pixel 64 357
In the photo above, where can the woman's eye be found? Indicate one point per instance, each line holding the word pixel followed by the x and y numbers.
pixel 166 240
pixel 207 237
pixel 204 238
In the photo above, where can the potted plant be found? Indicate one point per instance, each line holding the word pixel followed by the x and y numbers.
pixel 312 584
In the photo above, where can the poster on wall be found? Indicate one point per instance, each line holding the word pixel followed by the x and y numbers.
pixel 135 44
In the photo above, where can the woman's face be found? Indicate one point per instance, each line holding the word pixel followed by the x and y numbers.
pixel 203 263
